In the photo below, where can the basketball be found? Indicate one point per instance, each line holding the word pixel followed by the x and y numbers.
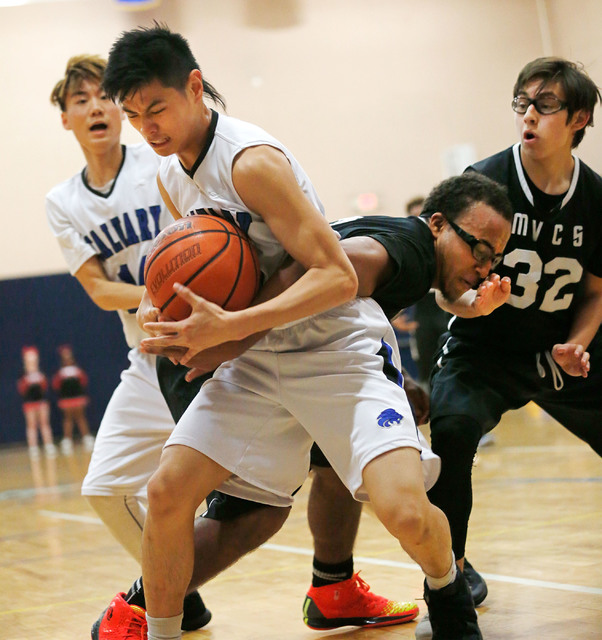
pixel 207 254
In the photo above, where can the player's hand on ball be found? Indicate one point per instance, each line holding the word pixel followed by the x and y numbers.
pixel 492 293
pixel 206 326
pixel 147 312
pixel 572 358
pixel 175 354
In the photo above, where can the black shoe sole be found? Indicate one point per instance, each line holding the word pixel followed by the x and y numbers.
pixel 478 586
pixel 96 627
pixel 320 624
pixel 195 623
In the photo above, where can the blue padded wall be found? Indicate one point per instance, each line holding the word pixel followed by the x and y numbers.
pixel 48 311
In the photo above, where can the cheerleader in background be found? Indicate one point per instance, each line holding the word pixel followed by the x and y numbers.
pixel 70 383
pixel 33 386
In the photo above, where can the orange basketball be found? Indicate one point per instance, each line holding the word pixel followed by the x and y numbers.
pixel 207 254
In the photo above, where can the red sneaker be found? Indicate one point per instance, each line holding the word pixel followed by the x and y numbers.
pixel 352 603
pixel 120 621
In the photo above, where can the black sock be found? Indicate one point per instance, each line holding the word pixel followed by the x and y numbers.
pixel 324 573
pixel 136 594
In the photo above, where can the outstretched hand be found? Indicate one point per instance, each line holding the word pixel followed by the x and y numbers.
pixel 492 293
pixel 572 358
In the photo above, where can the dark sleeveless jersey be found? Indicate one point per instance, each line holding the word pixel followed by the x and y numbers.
pixel 32 386
pixel 409 243
pixel 546 259
pixel 70 381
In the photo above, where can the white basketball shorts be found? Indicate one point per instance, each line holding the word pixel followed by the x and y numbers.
pixel 333 378
pixel 134 428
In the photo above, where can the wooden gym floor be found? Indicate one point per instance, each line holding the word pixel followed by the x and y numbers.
pixel 536 535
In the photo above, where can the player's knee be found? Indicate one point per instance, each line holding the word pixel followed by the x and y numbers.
pixel 405 519
pixel 261 526
pixel 165 493
pixel 327 481
pixel 455 436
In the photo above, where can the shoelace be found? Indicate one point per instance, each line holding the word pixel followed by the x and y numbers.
pixel 362 584
pixel 371 599
pixel 137 629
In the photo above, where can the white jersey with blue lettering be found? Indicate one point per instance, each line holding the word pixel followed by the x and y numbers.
pixel 118 226
pixel 208 189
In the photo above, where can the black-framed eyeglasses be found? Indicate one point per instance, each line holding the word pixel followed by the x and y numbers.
pixel 482 251
pixel 546 104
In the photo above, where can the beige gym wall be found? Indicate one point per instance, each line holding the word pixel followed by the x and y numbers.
pixel 368 94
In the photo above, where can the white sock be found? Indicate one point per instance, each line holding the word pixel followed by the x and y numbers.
pixel 164 628
pixel 448 578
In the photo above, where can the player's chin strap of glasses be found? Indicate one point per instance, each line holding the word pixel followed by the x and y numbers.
pixel 554 368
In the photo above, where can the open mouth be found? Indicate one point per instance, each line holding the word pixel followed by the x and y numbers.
pixel 529 135
pixel 99 127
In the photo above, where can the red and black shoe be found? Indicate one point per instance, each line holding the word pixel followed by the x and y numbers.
pixel 120 621
pixel 352 603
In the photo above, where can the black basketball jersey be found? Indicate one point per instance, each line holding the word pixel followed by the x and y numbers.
pixel 546 258
pixel 409 243
pixel 32 386
pixel 70 381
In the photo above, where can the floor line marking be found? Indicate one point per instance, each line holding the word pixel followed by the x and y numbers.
pixel 544 584
pixel 30 492
pixel 69 516
pixel 410 565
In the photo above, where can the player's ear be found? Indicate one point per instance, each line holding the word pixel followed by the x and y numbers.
pixel 579 120
pixel 195 84
pixel 436 223
pixel 65 121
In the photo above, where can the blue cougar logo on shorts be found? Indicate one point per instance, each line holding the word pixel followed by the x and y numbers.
pixel 388 418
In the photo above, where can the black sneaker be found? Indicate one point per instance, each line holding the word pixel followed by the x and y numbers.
pixel 196 614
pixel 478 586
pixel 451 611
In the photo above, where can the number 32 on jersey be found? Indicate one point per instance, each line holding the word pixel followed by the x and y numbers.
pixel 567 271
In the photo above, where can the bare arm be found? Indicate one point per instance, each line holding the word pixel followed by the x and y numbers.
pixel 369 259
pixel 266 183
pixel 105 293
pixel 492 293
pixel 572 355
pixel 209 359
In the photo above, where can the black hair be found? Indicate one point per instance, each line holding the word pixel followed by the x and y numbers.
pixel 456 195
pixel 145 54
pixel 580 91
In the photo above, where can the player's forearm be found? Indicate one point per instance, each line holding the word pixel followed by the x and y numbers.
pixel 112 296
pixel 317 290
pixel 463 307
pixel 210 359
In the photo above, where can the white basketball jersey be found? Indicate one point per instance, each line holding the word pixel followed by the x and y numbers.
pixel 208 187
pixel 118 226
